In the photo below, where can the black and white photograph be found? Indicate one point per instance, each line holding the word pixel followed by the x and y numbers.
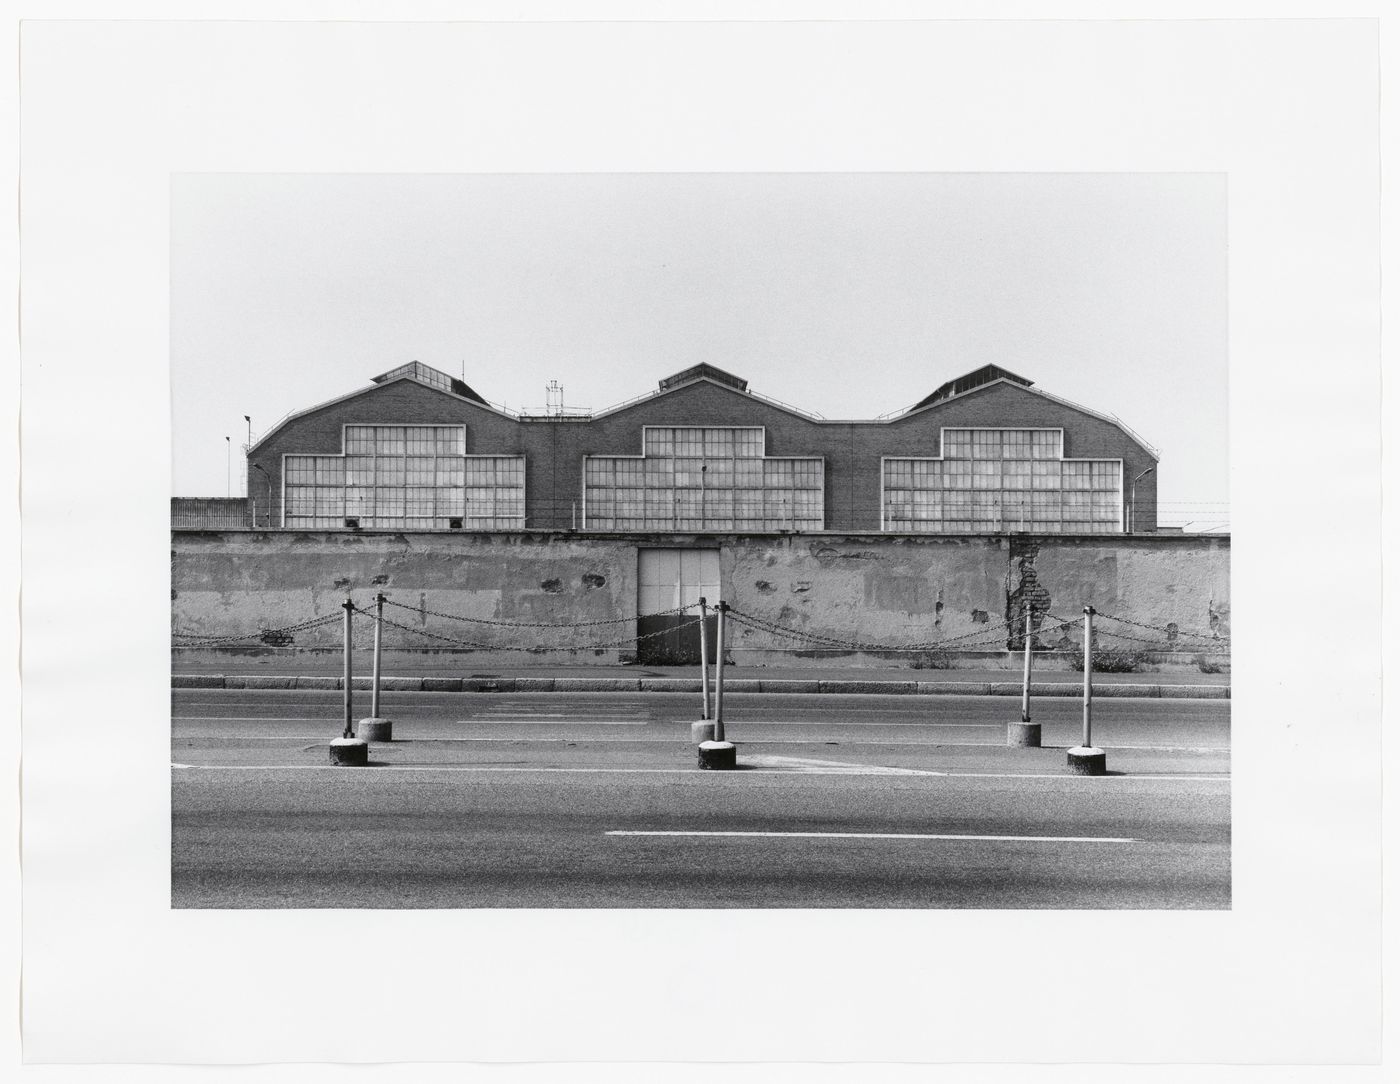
pixel 860 592
pixel 786 541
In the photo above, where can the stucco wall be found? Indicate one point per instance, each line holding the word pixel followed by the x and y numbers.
pixel 235 583
pixel 862 588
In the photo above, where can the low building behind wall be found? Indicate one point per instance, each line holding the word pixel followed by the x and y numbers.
pixel 986 453
pixel 800 599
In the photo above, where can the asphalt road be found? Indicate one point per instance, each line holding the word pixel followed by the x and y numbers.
pixel 594 800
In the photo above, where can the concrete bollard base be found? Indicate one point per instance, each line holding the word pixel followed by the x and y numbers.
pixel 1027 734
pixel 1086 760
pixel 718 755
pixel 375 729
pixel 350 752
pixel 702 731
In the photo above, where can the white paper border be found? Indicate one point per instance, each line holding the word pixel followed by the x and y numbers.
pixel 112 974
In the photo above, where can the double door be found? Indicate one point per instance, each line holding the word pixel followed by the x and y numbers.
pixel 668 579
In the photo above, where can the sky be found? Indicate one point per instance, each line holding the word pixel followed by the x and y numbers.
pixel 847 295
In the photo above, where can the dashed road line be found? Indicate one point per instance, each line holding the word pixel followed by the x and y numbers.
pixel 885 835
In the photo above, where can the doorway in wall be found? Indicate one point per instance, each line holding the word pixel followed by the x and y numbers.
pixel 666 579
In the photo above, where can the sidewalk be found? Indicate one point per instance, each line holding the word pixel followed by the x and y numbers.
pixel 308 670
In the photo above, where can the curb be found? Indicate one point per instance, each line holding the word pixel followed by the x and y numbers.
pixel 689 685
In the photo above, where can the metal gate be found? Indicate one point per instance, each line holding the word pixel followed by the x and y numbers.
pixel 667 579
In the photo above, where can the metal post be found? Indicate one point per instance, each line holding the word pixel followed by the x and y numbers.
pixel 1089 612
pixel 720 608
pixel 374 682
pixel 704 664
pixel 1026 676
pixel 349 608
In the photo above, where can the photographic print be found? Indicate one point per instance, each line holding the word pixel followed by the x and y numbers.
pixel 832 540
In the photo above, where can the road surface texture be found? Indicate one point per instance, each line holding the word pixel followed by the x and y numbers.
pixel 595 800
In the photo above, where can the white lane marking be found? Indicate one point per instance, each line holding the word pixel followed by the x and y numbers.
pixel 891 835
pixel 458 722
pixel 694 772
pixel 1096 778
pixel 808 764
pixel 492 721
pixel 859 723
pixel 243 719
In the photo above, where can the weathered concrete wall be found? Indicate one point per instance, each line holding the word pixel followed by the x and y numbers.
pixel 1181 589
pixel 879 591
pixel 864 589
pixel 236 583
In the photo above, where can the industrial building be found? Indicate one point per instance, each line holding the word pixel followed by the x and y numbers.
pixel 923 523
pixel 985 453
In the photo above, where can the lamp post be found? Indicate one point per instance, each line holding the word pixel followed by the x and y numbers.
pixel 258 467
pixel 228 466
pixel 1132 500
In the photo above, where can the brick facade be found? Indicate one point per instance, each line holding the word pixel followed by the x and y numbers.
pixel 554 447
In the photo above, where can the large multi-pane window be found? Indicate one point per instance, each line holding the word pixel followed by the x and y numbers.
pixel 703 478
pixel 994 480
pixel 405 477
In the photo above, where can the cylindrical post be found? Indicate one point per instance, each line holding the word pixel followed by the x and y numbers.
pixel 1088 676
pixel 1026 674
pixel 1084 759
pixel 720 609
pixel 704 663
pixel 374 680
pixel 349 608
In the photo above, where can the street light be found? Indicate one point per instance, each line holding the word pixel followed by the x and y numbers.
pixel 1132 500
pixel 228 467
pixel 258 467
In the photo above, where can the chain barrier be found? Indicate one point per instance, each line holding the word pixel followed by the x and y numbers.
pixel 476 645
pixel 1165 645
pixel 212 641
pixel 977 638
pixel 763 625
pixel 531 624
pixel 1166 629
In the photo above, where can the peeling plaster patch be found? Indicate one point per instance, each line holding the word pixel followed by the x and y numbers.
pixel 787 613
pixel 827 555
pixel 342 583
pixel 801 587
pixel 1173 629
pixel 592 579
pixel 1219 619
pixel 764 587
pixel 380 580
pixel 1024 591
pixel 980 617
pixel 552 586
pixel 896 593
